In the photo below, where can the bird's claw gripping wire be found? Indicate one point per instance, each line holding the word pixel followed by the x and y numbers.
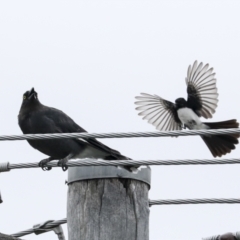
pixel 43 164
pixel 62 163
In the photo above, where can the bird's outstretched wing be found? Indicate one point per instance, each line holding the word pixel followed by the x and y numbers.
pixel 159 112
pixel 202 90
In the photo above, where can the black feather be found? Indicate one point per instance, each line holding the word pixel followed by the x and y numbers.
pixel 35 118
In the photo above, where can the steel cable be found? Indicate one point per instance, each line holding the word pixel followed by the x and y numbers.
pixel 5 166
pixel 120 135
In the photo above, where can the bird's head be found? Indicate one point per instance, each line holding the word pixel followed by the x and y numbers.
pixel 180 103
pixel 30 98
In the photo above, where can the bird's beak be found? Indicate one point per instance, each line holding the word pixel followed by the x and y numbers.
pixel 32 93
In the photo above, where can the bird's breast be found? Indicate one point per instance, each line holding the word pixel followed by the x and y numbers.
pixel 189 118
pixel 24 122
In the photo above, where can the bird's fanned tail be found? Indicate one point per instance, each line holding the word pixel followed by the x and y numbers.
pixel 221 144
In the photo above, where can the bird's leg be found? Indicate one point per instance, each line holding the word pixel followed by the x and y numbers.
pixel 63 162
pixel 43 163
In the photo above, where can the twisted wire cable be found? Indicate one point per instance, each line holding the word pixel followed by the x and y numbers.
pixel 120 135
pixel 195 201
pixel 47 227
pixel 6 166
pixel 25 232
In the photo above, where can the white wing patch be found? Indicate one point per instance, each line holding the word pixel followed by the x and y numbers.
pixel 202 80
pixel 157 111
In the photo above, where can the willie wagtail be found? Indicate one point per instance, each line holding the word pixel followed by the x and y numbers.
pixel 201 101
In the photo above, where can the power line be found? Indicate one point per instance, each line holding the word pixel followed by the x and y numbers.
pixel 6 166
pixel 120 135
pixel 195 201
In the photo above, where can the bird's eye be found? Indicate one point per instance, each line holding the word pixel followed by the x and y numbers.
pixel 24 97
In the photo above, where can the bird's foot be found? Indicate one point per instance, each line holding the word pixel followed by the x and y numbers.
pixel 43 164
pixel 62 163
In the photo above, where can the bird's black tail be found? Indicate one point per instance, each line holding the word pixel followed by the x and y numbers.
pixel 221 144
pixel 121 157
pixel 111 153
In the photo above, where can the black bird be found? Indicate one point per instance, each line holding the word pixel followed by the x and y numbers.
pixel 35 117
pixel 201 102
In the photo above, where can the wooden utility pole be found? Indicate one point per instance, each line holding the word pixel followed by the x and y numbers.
pixel 108 208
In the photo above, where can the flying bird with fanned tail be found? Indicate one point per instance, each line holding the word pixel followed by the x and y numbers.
pixel 201 101
pixel 34 118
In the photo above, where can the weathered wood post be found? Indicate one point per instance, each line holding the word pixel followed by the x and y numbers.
pixel 108 203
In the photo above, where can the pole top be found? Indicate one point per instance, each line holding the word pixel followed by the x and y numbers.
pixel 100 172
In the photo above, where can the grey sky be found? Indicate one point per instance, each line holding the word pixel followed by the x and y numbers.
pixel 90 59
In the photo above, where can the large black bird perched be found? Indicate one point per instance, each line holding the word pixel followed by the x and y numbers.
pixel 35 118
pixel 201 102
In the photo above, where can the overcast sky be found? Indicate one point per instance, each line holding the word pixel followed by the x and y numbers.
pixel 90 59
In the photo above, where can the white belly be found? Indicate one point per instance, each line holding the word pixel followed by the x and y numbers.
pixel 190 119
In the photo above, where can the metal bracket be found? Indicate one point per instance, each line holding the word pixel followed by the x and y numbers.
pixel 75 174
pixel 59 231
pixel 4 167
